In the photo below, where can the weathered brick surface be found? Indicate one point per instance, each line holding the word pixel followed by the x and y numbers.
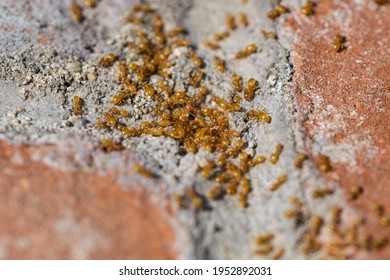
pixel 343 98
pixel 49 214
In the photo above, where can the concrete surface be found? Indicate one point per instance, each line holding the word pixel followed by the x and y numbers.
pixel 320 102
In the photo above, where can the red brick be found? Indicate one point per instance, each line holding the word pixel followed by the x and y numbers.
pixel 358 79
pixel 50 214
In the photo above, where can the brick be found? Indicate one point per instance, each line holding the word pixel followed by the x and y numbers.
pixel 49 214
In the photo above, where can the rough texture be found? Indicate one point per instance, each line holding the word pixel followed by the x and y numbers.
pixel 47 59
pixel 343 98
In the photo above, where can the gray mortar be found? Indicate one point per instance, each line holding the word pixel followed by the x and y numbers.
pixel 38 82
